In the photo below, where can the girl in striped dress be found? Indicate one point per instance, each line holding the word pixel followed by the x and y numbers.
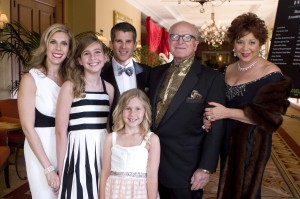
pixel 81 122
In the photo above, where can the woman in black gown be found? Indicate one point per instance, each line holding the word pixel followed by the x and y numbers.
pixel 256 94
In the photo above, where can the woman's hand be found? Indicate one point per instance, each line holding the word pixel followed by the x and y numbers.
pixel 53 181
pixel 217 112
pixel 206 123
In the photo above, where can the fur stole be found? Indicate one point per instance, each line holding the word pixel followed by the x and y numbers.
pixel 240 181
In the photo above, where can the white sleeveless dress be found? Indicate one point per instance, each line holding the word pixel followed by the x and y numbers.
pixel 128 171
pixel 86 134
pixel 46 98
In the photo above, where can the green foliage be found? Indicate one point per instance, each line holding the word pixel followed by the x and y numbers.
pixel 145 56
pixel 19 42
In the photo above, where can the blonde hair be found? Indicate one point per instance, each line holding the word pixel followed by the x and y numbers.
pixel 39 55
pixel 76 72
pixel 123 102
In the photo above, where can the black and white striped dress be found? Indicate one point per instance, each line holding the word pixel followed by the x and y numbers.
pixel 87 128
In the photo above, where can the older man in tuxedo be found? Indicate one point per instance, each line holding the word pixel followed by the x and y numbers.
pixel 179 92
pixel 123 72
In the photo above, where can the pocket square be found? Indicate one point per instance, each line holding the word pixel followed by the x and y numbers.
pixel 195 95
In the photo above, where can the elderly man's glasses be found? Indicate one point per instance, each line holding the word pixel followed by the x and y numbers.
pixel 175 37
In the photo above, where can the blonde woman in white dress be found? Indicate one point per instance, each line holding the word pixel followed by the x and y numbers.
pixel 37 98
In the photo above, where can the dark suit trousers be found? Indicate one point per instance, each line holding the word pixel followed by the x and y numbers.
pixel 178 193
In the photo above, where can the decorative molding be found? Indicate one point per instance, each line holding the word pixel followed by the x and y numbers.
pixel 119 17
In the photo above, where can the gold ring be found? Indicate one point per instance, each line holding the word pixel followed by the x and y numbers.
pixel 209 117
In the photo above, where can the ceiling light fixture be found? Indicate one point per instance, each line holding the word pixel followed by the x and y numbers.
pixel 202 2
pixel 211 33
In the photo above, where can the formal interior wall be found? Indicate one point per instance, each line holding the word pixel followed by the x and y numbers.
pixel 5 69
pixel 94 15
pixel 80 16
pixel 104 15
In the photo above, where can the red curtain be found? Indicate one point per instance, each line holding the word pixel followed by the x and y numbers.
pixel 164 45
pixel 157 37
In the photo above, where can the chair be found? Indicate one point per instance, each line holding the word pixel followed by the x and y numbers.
pixel 15 138
pixel 4 156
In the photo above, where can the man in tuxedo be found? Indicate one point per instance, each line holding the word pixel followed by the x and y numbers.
pixel 179 92
pixel 123 72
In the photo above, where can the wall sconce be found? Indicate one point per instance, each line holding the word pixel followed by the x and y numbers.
pixel 101 37
pixel 3 21
pixel 138 44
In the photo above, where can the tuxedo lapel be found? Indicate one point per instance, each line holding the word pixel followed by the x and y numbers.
pixel 138 74
pixel 110 77
pixel 183 92
pixel 138 69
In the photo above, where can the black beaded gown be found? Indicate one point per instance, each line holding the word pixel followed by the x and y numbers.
pixel 237 97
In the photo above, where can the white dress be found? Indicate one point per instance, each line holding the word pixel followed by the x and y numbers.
pixel 86 134
pixel 128 171
pixel 46 98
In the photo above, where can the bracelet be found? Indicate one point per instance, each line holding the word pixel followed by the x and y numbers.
pixel 49 170
pixel 205 171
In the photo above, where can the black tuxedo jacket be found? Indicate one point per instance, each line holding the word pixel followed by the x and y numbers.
pixel 185 146
pixel 142 72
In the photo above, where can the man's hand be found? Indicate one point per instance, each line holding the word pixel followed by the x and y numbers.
pixel 199 179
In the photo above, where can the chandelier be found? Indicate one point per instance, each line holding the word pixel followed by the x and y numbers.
pixel 202 2
pixel 213 34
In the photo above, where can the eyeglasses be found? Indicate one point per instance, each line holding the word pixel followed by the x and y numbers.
pixel 186 38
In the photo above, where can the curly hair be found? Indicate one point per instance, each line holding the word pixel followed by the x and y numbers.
pixel 39 55
pixel 122 103
pixel 76 71
pixel 245 24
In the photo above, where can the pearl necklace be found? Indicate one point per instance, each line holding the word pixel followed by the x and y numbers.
pixel 242 69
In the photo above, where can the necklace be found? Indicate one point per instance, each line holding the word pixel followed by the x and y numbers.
pixel 242 69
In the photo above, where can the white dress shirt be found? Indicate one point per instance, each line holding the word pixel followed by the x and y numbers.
pixel 124 81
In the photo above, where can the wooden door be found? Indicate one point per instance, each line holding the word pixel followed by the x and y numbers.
pixel 35 15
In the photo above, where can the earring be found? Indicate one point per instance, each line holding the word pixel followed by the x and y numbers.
pixel 234 54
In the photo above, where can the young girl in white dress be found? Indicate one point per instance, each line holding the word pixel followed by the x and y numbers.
pixel 131 153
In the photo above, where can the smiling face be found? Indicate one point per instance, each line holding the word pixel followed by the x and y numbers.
pixel 57 48
pixel 92 58
pixel 247 48
pixel 182 50
pixel 134 113
pixel 123 46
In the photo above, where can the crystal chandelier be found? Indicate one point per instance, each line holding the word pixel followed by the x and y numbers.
pixel 213 34
pixel 202 2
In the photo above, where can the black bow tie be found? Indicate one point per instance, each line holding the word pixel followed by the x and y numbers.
pixel 128 70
